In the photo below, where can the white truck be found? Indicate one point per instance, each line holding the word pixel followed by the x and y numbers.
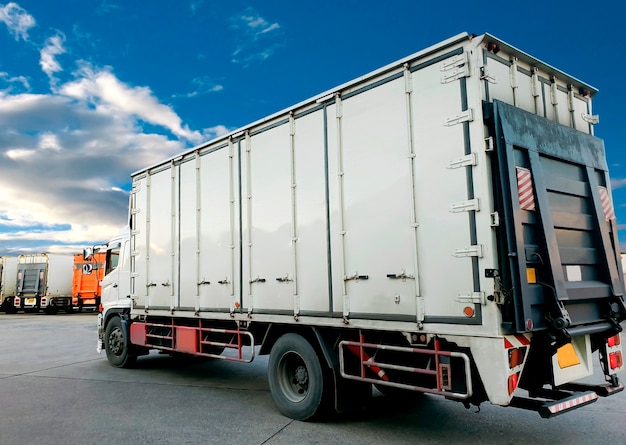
pixel 8 281
pixel 441 225
pixel 44 281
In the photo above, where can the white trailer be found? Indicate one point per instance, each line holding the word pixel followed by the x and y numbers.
pixel 441 225
pixel 44 281
pixel 8 281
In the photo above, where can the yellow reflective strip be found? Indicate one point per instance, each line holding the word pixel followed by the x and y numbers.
pixel 531 275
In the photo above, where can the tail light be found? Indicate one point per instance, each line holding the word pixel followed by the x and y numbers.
pixel 616 340
pixel 613 358
pixel 516 357
pixel 513 381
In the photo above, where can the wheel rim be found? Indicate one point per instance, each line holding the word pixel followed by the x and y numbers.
pixel 293 377
pixel 116 341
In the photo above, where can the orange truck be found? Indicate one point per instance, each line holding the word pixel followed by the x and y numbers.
pixel 88 272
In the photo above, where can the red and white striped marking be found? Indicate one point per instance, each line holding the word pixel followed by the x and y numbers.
pixel 587 398
pixel 525 189
pixel 516 341
pixel 607 205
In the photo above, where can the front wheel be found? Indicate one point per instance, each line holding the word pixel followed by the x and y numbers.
pixel 117 346
pixel 296 378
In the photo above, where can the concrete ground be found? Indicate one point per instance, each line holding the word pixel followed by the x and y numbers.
pixel 55 389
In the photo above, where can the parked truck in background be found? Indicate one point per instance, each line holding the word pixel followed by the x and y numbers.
pixel 44 282
pixel 88 271
pixel 8 281
pixel 441 225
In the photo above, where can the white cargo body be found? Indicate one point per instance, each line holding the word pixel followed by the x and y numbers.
pixel 8 281
pixel 445 222
pixel 44 281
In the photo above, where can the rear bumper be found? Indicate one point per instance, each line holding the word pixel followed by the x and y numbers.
pixel 59 302
pixel 550 403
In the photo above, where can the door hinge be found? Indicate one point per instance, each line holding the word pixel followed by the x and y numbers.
pixel 484 75
pixel 472 297
pixel 465 206
pixel 465 116
pixel 455 68
pixel 463 161
pixel 470 251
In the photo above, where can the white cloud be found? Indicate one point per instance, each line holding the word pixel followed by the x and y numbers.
pixel 214 132
pixel 201 86
pixel 256 24
pixel 103 90
pixel 618 183
pixel 19 153
pixel 17 19
pixel 66 163
pixel 52 48
pixel 11 81
pixel 48 141
pixel 66 156
pixel 106 8
pixel 258 40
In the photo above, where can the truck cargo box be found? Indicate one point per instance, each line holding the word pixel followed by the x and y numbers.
pixel 381 200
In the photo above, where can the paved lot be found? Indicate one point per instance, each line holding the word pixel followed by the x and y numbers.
pixel 55 389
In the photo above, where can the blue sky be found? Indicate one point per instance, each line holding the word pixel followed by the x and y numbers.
pixel 91 91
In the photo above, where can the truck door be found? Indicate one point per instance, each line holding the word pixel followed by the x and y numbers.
pixel 31 283
pixel 116 280
pixel 154 237
pixel 559 248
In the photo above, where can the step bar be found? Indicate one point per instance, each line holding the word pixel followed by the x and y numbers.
pixel 553 402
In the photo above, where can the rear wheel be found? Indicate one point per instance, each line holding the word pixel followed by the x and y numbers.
pixel 117 346
pixel 296 378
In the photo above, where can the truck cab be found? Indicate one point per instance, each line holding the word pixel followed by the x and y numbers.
pixel 115 284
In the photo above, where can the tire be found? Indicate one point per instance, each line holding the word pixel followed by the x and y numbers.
pixel 296 378
pixel 116 345
pixel 9 308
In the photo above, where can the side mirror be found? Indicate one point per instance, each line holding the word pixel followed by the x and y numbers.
pixel 87 253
